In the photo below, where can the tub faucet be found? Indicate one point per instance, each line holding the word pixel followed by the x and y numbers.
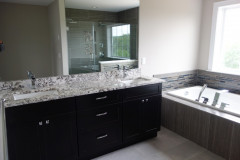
pixel 32 77
pixel 203 88
pixel 216 97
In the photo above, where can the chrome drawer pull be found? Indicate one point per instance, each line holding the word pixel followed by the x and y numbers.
pixel 100 98
pixel 102 114
pixel 101 137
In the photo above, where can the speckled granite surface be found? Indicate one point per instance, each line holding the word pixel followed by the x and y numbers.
pixel 73 85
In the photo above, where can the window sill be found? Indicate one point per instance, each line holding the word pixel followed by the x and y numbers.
pixel 225 72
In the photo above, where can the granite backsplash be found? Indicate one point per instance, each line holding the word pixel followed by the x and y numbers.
pixel 52 81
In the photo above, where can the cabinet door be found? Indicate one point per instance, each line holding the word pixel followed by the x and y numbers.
pixel 24 141
pixel 151 114
pixel 131 119
pixel 60 137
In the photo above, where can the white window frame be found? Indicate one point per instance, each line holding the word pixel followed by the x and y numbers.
pixel 215 20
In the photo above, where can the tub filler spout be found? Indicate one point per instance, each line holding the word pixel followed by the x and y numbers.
pixel 200 93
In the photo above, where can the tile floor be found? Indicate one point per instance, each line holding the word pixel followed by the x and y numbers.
pixel 167 146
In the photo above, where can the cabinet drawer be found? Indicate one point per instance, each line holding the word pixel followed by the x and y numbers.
pixel 98 99
pixel 140 91
pixel 100 140
pixel 37 111
pixel 98 117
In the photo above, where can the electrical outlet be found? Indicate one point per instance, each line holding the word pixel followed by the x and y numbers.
pixel 143 60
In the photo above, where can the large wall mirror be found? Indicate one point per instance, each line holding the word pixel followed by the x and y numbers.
pixel 56 37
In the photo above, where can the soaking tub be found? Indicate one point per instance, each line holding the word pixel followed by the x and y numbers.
pixel 231 100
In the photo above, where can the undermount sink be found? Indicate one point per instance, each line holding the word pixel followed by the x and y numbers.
pixel 34 95
pixel 136 80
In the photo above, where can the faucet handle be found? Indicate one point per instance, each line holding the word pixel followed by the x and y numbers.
pixel 205 100
pixel 223 105
pixel 31 75
pixel 126 68
pixel 117 67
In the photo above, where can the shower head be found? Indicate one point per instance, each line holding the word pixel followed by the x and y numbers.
pixel 70 20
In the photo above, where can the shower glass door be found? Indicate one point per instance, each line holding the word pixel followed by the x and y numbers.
pixel 82 47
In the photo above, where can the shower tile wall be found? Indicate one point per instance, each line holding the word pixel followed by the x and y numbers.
pixel 131 16
pixel 89 15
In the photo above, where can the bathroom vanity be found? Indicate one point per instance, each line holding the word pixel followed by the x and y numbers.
pixel 84 126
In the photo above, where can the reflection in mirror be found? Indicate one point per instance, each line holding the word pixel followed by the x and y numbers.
pixel 101 39
pixel 49 39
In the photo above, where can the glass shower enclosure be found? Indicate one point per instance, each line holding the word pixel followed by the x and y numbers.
pixel 85 45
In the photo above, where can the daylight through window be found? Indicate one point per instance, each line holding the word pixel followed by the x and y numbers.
pixel 226 46
pixel 121 41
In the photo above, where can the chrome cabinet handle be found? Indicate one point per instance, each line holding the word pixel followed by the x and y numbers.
pixel 102 114
pixel 100 98
pixel 101 137
pixel 47 121
pixel 143 101
pixel 40 123
pixel 146 100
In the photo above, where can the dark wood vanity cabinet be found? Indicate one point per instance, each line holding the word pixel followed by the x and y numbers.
pixel 141 116
pixel 99 121
pixel 83 127
pixel 42 131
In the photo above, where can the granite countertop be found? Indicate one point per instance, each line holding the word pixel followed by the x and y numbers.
pixel 74 89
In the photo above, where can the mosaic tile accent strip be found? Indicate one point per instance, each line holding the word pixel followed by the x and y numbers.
pixel 219 80
pixel 200 77
pixel 178 79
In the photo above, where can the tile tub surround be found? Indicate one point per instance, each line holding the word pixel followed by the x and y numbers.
pixel 211 129
pixel 199 77
pixel 219 80
pixel 178 79
pixel 75 85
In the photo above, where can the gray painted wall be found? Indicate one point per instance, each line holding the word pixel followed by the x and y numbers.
pixel 25 32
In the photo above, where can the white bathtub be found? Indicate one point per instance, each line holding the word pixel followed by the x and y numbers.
pixel 192 93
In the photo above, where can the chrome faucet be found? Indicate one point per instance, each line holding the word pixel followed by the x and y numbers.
pixel 125 68
pixel 32 77
pixel 203 88
pixel 117 67
pixel 216 97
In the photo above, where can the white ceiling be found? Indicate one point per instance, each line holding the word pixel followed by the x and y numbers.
pixel 102 5
pixel 32 2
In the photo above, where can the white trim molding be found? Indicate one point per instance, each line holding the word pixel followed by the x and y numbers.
pixel 216 19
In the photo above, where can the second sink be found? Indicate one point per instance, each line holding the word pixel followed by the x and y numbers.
pixel 34 95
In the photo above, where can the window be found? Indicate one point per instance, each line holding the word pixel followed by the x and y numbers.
pixel 120 45
pixel 225 42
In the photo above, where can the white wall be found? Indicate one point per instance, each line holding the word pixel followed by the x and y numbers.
pixel 63 36
pixel 204 46
pixel 169 35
